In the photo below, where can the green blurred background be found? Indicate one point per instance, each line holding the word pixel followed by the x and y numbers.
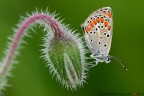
pixel 32 78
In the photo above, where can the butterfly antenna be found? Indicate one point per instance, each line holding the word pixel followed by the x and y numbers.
pixel 119 61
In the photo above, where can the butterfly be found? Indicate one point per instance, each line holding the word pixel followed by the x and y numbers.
pixel 98 32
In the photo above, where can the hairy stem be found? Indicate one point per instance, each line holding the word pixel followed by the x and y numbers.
pixel 20 32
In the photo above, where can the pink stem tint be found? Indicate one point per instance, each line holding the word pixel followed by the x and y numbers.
pixel 58 32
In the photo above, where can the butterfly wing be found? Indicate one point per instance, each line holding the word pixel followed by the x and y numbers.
pixel 98 31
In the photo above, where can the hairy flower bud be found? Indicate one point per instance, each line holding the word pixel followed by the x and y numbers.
pixel 66 59
pixel 63 50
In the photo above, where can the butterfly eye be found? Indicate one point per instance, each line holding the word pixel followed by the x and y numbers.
pixel 108 60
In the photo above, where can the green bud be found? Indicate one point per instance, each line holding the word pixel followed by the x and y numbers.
pixel 66 59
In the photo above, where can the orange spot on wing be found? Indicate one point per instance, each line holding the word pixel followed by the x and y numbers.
pixel 105 23
pixel 98 19
pixel 102 20
pixel 92 24
pixel 94 21
pixel 88 29
pixel 109 15
pixel 104 12
pixel 109 27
